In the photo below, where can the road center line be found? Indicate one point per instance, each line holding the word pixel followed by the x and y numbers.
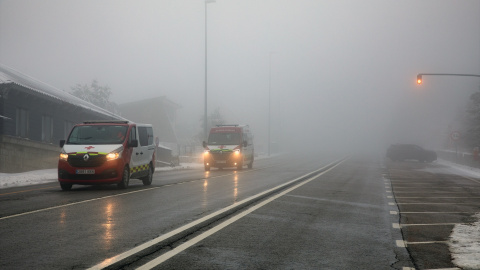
pixel 437 197
pixel 398 226
pixel 438 212
pixel 452 203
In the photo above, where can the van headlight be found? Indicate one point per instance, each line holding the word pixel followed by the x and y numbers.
pixel 237 152
pixel 63 156
pixel 115 154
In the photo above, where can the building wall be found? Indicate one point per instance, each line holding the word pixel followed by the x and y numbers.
pixel 30 152
pixel 39 105
pixel 21 155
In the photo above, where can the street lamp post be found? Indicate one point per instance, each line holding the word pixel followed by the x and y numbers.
pixel 420 80
pixel 205 111
pixel 269 99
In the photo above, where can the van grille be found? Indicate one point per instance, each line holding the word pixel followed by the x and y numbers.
pixel 221 156
pixel 93 161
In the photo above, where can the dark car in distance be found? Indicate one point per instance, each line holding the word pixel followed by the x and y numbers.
pixel 401 152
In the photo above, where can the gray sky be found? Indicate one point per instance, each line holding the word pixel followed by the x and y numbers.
pixel 342 72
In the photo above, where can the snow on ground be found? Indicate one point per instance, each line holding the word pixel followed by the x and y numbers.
pixel 453 168
pixel 464 245
pixel 27 178
pixel 8 180
pixel 464 242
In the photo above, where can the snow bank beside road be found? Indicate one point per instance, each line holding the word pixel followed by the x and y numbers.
pixel 8 180
pixel 27 178
pixel 460 169
pixel 464 245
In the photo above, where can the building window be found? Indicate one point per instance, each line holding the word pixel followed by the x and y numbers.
pixel 67 128
pixel 47 128
pixel 22 122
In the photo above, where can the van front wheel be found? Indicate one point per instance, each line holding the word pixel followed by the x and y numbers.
pixel 125 179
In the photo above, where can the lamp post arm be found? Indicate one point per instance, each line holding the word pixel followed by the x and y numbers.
pixel 448 74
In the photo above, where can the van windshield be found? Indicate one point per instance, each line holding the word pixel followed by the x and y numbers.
pixel 97 134
pixel 224 138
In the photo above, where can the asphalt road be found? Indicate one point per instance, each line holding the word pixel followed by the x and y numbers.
pixel 430 199
pixel 337 217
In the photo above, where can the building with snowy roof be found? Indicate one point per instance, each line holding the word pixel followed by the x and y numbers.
pixel 34 116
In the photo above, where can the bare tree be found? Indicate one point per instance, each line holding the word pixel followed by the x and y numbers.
pixel 96 94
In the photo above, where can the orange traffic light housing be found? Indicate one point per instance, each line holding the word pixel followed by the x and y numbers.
pixel 419 79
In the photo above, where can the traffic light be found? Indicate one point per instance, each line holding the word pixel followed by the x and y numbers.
pixel 419 79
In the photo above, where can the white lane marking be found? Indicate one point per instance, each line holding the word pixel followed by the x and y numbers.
pixel 416 188
pixel 116 195
pixel 75 203
pixel 438 192
pixel 452 203
pixel 128 253
pixel 393 213
pixel 437 212
pixel 391 203
pixel 454 268
pixel 425 243
pixel 398 226
pixel 414 183
pixel 390 197
pixel 402 243
pixel 437 197
pixel 159 260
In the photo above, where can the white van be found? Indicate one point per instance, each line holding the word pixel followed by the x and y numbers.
pixel 107 152
pixel 229 146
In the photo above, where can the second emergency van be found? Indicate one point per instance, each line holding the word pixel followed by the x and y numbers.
pixel 107 152
pixel 229 146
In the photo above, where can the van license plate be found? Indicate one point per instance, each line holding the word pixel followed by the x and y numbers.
pixel 85 171
pixel 221 161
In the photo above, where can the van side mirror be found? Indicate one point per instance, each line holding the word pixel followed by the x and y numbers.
pixel 245 143
pixel 62 143
pixel 204 144
pixel 133 143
